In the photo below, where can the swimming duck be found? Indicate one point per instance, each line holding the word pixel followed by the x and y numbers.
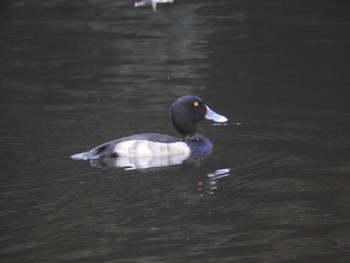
pixel 185 112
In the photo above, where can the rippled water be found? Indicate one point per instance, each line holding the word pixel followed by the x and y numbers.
pixel 76 74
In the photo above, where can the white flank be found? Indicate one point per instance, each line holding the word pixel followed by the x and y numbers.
pixel 144 162
pixel 140 148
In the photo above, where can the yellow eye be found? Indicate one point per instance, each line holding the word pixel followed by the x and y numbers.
pixel 196 104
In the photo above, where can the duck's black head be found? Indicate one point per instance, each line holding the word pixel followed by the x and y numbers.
pixel 186 111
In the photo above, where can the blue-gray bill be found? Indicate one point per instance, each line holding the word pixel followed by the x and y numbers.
pixel 211 115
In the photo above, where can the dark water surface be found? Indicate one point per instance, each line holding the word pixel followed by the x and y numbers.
pixel 75 74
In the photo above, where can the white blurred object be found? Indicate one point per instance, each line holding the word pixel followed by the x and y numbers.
pixel 153 3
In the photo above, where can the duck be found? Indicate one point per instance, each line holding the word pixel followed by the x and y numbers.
pixel 185 112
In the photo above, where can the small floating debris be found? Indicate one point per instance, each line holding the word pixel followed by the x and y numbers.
pixel 153 3
pixel 226 124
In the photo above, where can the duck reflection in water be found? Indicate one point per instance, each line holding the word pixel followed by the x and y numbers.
pixel 192 177
pixel 195 179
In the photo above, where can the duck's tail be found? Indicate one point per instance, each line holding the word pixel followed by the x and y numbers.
pixel 81 156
